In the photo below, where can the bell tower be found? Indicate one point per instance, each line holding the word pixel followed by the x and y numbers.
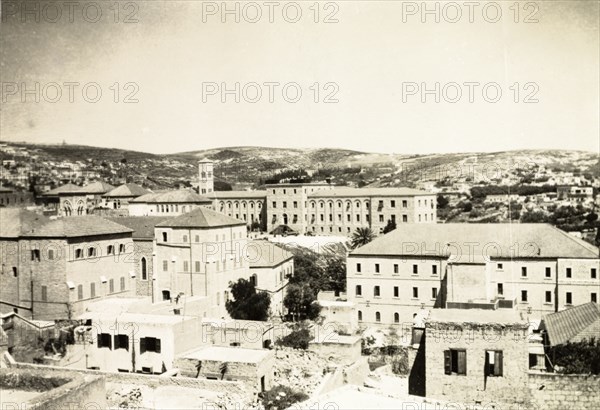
pixel 206 179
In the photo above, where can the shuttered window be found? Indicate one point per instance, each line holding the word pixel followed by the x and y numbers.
pixel 455 361
pixel 493 363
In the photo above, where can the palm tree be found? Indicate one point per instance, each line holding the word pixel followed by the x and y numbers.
pixel 361 237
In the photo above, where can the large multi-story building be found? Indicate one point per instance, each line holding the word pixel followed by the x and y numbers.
pixel 534 267
pixel 168 203
pixel 247 206
pixel 51 269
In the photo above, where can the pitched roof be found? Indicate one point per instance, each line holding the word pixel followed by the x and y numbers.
pixel 62 189
pixel 143 226
pixel 239 194
pixel 490 240
pixel 78 226
pixel 127 190
pixel 264 254
pixel 98 187
pixel 178 196
pixel 15 222
pixel 574 324
pixel 4 189
pixel 342 192
pixel 201 218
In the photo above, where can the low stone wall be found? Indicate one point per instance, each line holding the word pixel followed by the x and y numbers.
pixel 564 391
pixel 357 373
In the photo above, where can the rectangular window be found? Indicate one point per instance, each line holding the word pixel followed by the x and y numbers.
pixel 396 291
pixel 568 272
pixel 523 271
pixel 548 272
pixel 499 266
pixel 122 283
pixel 358 290
pixel 104 340
pixel 295 204
pixel 50 254
pixel 404 204
pixel 44 293
pixel 404 218
pixel 111 286
pixel 593 273
pixel 197 266
pixel 415 269
pixel 122 342
pixel 392 203
pixel 395 268
pixel 284 205
pixel 274 204
pixel 433 293
pixel 358 267
pixel 500 289
pixel 110 250
pixel 149 344
pixel 185 239
pixel 91 252
pixel 380 218
pixel 79 292
pixel 376 268
pixel 434 269
pixel 186 266
pixel 523 296
pixel 78 253
pixel 493 363
pixel 594 297
pixel 92 290
pixel 376 291
pixel 569 298
pixel 415 293
pixel 455 361
pixel 35 255
pixel 165 266
pixel 548 296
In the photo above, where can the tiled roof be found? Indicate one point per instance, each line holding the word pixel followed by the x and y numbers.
pixel 343 192
pixel 4 189
pixel 178 196
pixel 143 226
pixel 489 240
pixel 15 222
pixel 264 254
pixel 78 226
pixel 127 190
pixel 574 324
pixel 239 194
pixel 62 189
pixel 201 218
pixel 98 187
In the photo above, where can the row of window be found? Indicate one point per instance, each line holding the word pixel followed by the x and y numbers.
pixel 197 266
pixel 147 344
pixel 80 253
pixel 548 271
pixel 185 237
pixel 237 205
pixel 173 208
pixel 396 291
pixel 548 296
pixel 455 362
pixel 396 267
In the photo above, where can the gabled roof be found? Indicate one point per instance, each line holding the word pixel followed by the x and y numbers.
pixel 536 241
pixel 574 324
pixel 16 222
pixel 178 196
pixel 98 187
pixel 78 226
pixel 343 192
pixel 201 218
pixel 264 254
pixel 142 226
pixel 127 190
pixel 66 188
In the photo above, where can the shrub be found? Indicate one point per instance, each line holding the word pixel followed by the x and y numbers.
pixel 281 397
pixel 297 339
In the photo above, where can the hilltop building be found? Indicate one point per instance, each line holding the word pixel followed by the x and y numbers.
pixel 532 267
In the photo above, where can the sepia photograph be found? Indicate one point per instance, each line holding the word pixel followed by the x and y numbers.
pixel 308 204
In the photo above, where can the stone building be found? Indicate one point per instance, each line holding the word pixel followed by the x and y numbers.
pixel 142 256
pixel 117 200
pixel 206 181
pixel 82 200
pixel 51 269
pixel 168 203
pixel 11 198
pixel 271 266
pixel 475 357
pixel 198 254
pixel 534 267
pixel 248 206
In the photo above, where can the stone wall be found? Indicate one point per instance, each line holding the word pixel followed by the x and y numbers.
pixel 551 391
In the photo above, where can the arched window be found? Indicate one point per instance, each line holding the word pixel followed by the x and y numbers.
pixel 360 315
pixel 396 318
pixel 164 236
pixel 377 317
pixel 144 269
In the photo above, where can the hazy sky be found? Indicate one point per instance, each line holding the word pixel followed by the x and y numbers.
pixel 375 61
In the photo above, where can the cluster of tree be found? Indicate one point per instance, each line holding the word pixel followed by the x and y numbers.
pixel 298 338
pixel 480 192
pixel 577 358
pixel 281 397
pixel 247 303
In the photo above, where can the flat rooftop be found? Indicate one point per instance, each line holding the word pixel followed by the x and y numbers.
pixel 228 354
pixel 483 316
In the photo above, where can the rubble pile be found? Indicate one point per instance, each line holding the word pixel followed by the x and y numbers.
pixel 300 370
pixel 126 398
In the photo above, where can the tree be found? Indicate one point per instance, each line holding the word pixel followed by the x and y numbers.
pixel 298 338
pixel 300 300
pixel 281 397
pixel 391 225
pixel 361 237
pixel 247 303
pixel 442 201
pixel 533 217
pixel 335 274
